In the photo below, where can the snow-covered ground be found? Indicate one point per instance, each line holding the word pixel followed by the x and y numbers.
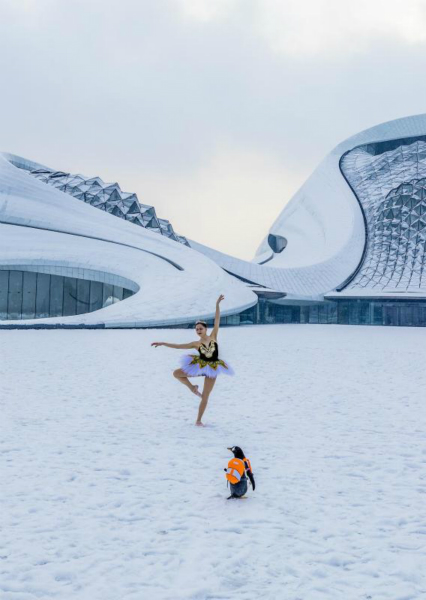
pixel 109 492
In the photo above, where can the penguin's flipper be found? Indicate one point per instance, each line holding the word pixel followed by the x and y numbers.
pixel 250 476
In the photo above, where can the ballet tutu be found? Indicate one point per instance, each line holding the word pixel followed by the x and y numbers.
pixel 194 365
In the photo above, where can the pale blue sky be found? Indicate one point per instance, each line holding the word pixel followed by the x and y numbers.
pixel 214 111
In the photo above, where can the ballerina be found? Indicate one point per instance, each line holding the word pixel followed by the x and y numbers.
pixel 207 363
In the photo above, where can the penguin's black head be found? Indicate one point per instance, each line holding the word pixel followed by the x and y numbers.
pixel 237 452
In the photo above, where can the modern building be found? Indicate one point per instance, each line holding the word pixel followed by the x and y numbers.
pixel 349 247
pixel 77 252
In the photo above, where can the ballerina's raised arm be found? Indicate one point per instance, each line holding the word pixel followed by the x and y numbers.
pixel 216 326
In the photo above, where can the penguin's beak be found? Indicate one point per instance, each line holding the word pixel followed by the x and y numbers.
pixel 230 449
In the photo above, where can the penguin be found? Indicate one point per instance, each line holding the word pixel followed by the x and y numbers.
pixel 241 469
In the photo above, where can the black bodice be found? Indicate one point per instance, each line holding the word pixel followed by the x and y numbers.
pixel 209 353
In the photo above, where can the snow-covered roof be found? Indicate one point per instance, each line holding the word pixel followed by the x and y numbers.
pixel 45 229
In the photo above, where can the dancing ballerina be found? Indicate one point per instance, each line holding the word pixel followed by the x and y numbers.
pixel 207 363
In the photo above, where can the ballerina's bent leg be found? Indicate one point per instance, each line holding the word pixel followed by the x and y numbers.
pixel 183 378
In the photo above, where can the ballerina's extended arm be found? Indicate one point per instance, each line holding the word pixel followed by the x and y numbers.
pixel 177 346
pixel 215 329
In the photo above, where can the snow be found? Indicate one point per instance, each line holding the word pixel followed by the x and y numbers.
pixel 110 492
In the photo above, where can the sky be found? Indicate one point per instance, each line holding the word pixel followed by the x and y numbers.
pixel 213 111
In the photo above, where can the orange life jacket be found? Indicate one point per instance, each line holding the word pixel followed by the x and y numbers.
pixel 236 469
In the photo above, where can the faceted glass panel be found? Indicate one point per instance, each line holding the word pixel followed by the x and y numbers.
pixel 96 295
pixel 56 296
pixel 14 307
pixel 29 292
pixel 43 296
pixel 110 198
pixel 83 296
pixel 4 293
pixel 389 180
pixel 70 296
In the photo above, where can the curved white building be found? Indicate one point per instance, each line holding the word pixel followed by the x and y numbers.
pixel 63 262
pixel 354 233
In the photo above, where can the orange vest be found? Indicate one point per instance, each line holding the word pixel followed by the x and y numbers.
pixel 236 469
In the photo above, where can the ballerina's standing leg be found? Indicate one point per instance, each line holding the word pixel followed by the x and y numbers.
pixel 208 386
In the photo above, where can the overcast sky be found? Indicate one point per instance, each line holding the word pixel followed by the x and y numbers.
pixel 214 111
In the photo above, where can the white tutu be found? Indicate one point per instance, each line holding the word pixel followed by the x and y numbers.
pixel 193 365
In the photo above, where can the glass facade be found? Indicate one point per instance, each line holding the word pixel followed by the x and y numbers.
pixel 110 198
pixel 344 312
pixel 32 295
pixel 277 243
pixel 389 180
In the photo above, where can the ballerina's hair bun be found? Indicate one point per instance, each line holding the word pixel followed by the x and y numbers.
pixel 203 323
